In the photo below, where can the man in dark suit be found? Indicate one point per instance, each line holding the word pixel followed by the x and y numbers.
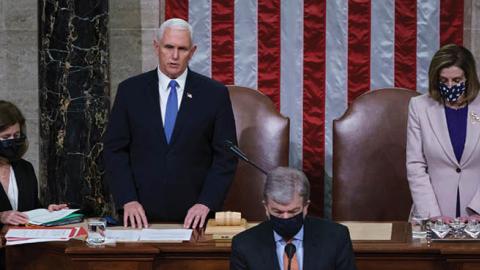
pixel 318 244
pixel 164 153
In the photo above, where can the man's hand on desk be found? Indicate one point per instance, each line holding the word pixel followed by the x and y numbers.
pixel 56 207
pixel 196 215
pixel 13 217
pixel 133 212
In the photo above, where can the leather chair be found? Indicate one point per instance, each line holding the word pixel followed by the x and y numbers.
pixel 369 170
pixel 263 135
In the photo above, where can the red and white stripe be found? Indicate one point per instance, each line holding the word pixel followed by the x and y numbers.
pixel 312 58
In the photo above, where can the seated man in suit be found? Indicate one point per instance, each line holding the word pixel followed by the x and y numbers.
pixel 317 243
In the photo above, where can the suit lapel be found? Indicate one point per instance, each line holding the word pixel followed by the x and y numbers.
pixel 310 249
pixel 267 248
pixel 473 131
pixel 184 112
pixel 438 123
pixel 154 100
pixel 22 186
pixel 4 202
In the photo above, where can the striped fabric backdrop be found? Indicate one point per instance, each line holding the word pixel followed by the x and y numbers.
pixel 312 58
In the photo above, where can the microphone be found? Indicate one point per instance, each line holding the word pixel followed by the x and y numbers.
pixel 238 153
pixel 290 250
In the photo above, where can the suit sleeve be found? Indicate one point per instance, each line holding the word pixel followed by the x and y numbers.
pixel 117 151
pixel 221 172
pixel 423 196
pixel 237 258
pixel 345 259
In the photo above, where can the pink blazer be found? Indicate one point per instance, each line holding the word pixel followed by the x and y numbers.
pixel 433 171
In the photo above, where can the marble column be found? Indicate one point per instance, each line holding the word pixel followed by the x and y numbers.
pixel 74 101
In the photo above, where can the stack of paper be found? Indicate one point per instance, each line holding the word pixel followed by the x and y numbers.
pixel 149 235
pixel 17 236
pixel 44 217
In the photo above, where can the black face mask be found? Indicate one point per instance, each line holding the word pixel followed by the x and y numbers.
pixel 10 149
pixel 287 227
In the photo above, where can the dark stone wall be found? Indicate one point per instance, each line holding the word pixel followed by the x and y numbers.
pixel 74 102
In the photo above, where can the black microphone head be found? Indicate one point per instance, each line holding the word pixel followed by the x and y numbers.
pixel 228 143
pixel 290 250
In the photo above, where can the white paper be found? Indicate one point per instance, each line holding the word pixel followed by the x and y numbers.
pixel 28 241
pixel 39 233
pixel 123 235
pixel 165 234
pixel 41 215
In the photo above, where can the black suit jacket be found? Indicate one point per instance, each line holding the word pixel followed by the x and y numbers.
pixel 27 188
pixel 168 179
pixel 326 245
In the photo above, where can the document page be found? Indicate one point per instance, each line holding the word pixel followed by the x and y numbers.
pixel 39 233
pixel 166 235
pixel 41 215
pixel 123 235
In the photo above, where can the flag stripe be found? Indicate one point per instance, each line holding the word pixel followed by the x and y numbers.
pixel 428 13
pixel 199 14
pixel 314 98
pixel 382 44
pixel 335 79
pixel 269 49
pixel 358 48
pixel 405 43
pixel 246 67
pixel 291 83
pixel 176 9
pixel 451 22
pixel 222 44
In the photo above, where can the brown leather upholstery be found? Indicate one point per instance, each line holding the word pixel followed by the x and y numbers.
pixel 263 135
pixel 369 171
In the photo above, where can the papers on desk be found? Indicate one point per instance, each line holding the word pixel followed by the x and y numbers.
pixel 369 230
pixel 149 235
pixel 122 235
pixel 16 236
pixel 41 216
pixel 166 235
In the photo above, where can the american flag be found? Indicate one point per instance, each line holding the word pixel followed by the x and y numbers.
pixel 312 58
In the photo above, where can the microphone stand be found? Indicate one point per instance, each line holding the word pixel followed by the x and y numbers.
pixel 238 153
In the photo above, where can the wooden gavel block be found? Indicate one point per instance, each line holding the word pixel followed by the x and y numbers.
pixel 228 218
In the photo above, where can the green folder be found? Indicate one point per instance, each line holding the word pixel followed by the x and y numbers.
pixel 70 219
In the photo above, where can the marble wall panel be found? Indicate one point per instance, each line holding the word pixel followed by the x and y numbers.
pixel 74 102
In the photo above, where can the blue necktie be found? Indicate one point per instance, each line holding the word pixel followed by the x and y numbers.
pixel 171 111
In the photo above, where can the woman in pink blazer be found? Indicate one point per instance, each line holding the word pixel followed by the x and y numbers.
pixel 443 134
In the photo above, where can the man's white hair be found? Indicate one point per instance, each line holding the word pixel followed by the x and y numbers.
pixel 175 23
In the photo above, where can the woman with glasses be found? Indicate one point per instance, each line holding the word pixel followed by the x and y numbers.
pixel 443 134
pixel 19 190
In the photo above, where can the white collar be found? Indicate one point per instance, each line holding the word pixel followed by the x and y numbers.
pixel 164 80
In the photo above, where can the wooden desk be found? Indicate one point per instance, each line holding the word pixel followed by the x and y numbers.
pixel 203 253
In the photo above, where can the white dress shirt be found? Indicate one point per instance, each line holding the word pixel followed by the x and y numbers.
pixel 12 192
pixel 164 90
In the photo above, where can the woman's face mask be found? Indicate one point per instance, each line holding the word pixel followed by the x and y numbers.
pixel 451 83
pixel 10 149
pixel 453 93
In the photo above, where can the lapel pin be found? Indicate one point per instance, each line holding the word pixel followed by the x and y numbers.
pixel 189 95
pixel 475 118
